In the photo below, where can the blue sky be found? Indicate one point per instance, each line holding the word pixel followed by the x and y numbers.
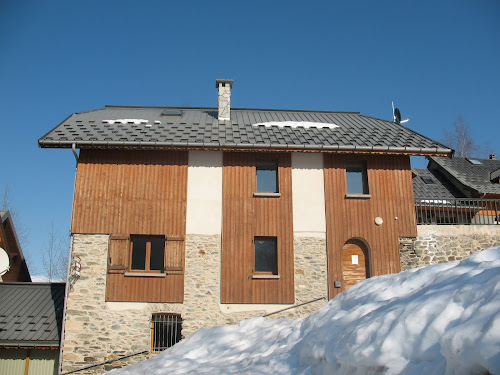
pixel 435 59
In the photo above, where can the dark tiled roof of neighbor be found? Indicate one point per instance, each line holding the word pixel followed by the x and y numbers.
pixel 200 128
pixel 31 313
pixel 440 188
pixel 479 177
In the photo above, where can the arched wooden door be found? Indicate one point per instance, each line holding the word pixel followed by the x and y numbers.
pixel 355 265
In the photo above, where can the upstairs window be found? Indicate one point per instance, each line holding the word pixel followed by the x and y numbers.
pixel 266 255
pixel 147 253
pixel 267 177
pixel 357 181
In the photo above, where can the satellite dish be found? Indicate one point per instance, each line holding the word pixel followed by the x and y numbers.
pixel 4 262
pixel 396 116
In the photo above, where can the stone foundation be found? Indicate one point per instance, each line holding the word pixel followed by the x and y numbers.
pixel 446 243
pixel 96 330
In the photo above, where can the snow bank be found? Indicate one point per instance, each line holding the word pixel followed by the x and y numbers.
pixel 441 319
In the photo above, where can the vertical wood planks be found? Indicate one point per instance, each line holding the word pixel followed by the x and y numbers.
pixel 391 190
pixel 119 192
pixel 246 216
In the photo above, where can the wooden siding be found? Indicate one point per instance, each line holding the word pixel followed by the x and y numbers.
pixel 125 193
pixel 246 216
pixel 18 269
pixel 391 190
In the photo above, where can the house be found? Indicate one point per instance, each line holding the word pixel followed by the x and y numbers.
pixel 30 327
pixel 191 217
pixel 473 177
pixel 9 242
pixel 457 208
pixel 468 190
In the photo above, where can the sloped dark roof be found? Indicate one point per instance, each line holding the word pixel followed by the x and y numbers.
pixel 31 313
pixel 441 188
pixel 200 128
pixel 477 177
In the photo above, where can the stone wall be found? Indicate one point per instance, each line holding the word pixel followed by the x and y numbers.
pixel 96 330
pixel 446 243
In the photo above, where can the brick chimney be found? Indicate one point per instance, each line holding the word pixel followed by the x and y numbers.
pixel 493 157
pixel 224 86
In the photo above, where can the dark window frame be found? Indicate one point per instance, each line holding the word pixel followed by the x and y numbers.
pixel 275 270
pixel 267 165
pixel 147 260
pixel 358 167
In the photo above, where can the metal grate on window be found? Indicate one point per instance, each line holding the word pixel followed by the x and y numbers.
pixel 165 331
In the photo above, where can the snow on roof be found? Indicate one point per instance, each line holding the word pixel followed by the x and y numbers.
pixel 438 319
pixel 296 124
pixel 135 121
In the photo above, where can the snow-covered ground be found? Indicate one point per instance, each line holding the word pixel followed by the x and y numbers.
pixel 441 319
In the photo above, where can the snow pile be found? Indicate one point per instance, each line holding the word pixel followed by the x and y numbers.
pixel 296 124
pixel 441 319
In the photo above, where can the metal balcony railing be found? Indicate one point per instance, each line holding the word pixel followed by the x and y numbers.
pixel 458 211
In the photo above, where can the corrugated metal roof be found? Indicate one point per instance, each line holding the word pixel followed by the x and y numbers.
pixel 200 128
pixel 474 176
pixel 31 313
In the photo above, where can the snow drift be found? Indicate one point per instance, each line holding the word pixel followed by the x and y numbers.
pixel 440 319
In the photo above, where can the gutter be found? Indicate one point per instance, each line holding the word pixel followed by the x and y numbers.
pixel 241 146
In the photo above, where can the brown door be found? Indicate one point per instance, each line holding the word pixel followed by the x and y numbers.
pixel 354 264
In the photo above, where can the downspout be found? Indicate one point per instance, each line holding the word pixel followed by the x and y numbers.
pixel 70 255
pixel 73 147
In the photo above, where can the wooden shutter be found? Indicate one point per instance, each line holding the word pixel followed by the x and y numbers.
pixel 174 255
pixel 119 247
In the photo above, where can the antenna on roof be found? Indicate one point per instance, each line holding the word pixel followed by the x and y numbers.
pixel 396 116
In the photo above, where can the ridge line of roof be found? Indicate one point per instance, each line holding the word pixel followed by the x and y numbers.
pixel 233 109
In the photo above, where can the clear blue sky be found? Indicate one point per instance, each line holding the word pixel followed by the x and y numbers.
pixel 435 59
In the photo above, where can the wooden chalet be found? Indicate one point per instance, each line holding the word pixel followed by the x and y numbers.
pixel 253 179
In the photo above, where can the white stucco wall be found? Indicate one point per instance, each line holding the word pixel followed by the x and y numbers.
pixel 308 195
pixel 204 193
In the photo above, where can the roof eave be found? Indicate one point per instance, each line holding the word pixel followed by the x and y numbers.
pixel 418 151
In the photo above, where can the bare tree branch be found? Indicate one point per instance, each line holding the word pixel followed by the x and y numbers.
pixel 460 138
pixel 54 255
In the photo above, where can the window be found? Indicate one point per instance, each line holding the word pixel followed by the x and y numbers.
pixel 267 177
pixel 147 253
pixel 428 180
pixel 474 161
pixel 165 331
pixel 266 255
pixel 357 181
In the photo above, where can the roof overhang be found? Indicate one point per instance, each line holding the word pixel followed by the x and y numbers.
pixel 247 147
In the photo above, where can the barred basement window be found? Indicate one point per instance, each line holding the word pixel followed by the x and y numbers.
pixel 165 331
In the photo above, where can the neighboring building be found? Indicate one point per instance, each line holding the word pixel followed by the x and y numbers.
pixel 457 209
pixel 30 327
pixel 9 242
pixel 463 177
pixel 192 217
pixel 466 189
